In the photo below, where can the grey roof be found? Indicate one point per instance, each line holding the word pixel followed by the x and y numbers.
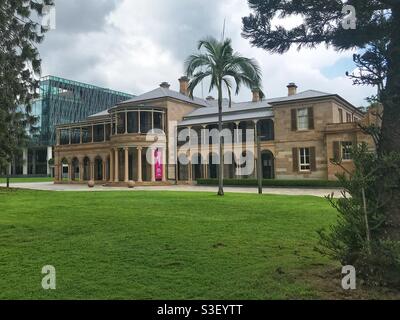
pixel 309 94
pixel 251 114
pixel 250 106
pixel 165 93
pixel 99 114
pixel 209 109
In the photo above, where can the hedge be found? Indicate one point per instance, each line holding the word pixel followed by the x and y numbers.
pixel 273 183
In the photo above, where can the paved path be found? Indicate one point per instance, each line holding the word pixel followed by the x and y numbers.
pixel 50 186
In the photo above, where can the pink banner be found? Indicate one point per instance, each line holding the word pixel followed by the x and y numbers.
pixel 158 164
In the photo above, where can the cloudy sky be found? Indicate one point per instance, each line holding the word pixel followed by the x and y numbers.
pixel 133 45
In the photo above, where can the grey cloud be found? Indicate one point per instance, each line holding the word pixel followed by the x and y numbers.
pixel 180 24
pixel 81 16
pixel 63 52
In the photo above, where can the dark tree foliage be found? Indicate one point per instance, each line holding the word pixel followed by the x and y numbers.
pixel 359 238
pixel 377 39
pixel 371 68
pixel 19 72
pixel 376 33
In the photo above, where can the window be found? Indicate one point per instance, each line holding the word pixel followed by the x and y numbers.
pixel 304 158
pixel 348 117
pixel 158 120
pixel 98 132
pixel 346 150
pixel 145 121
pixel 340 116
pixel 302 119
pixel 121 123
pixel 86 134
pixel 133 122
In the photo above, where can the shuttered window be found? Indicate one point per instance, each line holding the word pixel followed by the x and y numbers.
pixel 294 119
pixel 295 159
pixel 311 118
pixel 302 119
pixel 336 151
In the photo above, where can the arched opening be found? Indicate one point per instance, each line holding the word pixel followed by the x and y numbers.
pixel 86 169
pixel 197 166
pixel 247 164
pixel 64 169
pixel 183 167
pixel 265 129
pixel 229 165
pixel 268 166
pixel 213 164
pixel 146 167
pixel 244 126
pixel 75 169
pixel 98 169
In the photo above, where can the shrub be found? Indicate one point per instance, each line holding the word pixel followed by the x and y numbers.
pixel 359 237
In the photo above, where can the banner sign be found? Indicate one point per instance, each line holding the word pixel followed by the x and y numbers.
pixel 158 164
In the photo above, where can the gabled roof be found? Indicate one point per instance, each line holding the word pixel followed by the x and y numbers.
pixel 165 93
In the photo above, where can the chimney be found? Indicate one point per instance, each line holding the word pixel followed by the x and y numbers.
pixel 164 85
pixel 184 85
pixel 210 98
pixel 256 95
pixel 292 89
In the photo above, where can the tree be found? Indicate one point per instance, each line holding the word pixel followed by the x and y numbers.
pixel 222 65
pixel 19 71
pixel 378 22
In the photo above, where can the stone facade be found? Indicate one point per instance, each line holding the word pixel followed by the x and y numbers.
pixel 299 135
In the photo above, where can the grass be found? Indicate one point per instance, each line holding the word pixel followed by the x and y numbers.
pixel 27 179
pixel 161 245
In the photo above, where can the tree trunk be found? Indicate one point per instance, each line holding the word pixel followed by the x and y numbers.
pixel 390 138
pixel 221 154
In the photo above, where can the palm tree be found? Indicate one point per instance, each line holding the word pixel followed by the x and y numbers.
pixel 222 65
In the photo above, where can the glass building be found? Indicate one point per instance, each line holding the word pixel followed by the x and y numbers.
pixel 61 101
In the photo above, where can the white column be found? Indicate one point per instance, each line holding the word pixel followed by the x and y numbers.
pixel 111 166
pixel 49 156
pixel 153 172
pixel 139 164
pixel 164 164
pixel 238 148
pixel 25 161
pixel 126 176
pixel 116 165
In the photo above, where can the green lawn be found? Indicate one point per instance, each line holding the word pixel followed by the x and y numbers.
pixel 160 245
pixel 27 179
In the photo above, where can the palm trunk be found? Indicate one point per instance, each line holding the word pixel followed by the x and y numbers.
pixel 221 155
pixel 390 138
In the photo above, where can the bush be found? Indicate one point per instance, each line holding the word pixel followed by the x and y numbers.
pixel 273 183
pixel 359 238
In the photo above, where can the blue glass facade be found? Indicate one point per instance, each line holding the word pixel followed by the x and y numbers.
pixel 65 101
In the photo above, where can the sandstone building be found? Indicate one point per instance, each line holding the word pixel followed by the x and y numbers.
pixel 298 135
